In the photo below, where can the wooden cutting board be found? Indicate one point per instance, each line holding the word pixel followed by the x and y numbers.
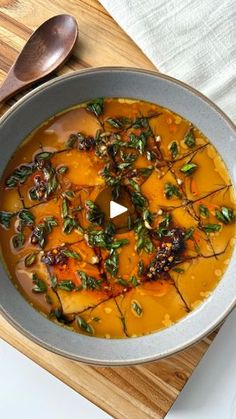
pixel 146 391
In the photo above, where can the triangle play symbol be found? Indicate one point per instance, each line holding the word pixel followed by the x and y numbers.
pixel 116 209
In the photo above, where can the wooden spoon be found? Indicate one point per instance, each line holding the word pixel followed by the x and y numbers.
pixel 47 48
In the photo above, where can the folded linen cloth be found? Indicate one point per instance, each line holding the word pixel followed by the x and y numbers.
pixel 192 40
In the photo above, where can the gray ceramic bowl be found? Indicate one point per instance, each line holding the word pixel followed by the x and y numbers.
pixel 70 90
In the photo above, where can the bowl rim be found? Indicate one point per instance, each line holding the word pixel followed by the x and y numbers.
pixel 188 342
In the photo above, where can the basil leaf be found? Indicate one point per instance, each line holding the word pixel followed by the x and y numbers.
pixel 53 280
pixel 133 280
pixel 178 270
pixel 19 175
pixel 122 282
pixel 139 201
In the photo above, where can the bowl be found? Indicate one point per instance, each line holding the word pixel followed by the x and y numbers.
pixel 67 91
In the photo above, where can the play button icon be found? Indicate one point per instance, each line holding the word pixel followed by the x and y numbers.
pixel 120 211
pixel 116 209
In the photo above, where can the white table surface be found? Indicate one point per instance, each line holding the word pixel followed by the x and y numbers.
pixel 29 392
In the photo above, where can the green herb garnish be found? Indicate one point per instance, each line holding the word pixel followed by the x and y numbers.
pixel 84 325
pixel 189 233
pixel 171 191
pixel 189 139
pixel 137 308
pixel 89 282
pixel 18 240
pixel 19 175
pixel 96 106
pixel 66 285
pixel 30 259
pixel 112 263
pixel 71 254
pixel 94 214
pixel 204 211
pixel 225 215
pixel 39 284
pixel 5 218
pixel 188 168
pixel 211 228
pixel 62 169
pixel 174 150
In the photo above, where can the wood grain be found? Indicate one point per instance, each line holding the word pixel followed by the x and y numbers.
pixel 146 391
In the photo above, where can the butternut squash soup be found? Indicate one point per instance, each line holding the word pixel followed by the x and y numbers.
pixel 130 274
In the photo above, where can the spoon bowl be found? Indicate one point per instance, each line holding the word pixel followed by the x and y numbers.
pixel 47 49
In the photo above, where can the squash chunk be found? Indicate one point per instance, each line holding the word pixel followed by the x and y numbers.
pixel 104 320
pixel 150 307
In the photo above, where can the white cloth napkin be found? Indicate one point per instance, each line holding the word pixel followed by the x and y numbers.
pixel 192 40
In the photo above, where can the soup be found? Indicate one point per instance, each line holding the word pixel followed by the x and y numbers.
pixel 116 275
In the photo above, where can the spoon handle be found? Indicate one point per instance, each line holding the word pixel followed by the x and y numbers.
pixel 10 86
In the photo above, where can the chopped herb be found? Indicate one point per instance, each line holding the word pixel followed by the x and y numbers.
pixel 70 224
pixel 189 139
pixel 136 307
pixel 174 150
pixel 66 285
pixel 53 280
pixel 94 214
pixel 64 208
pixel 19 175
pixel 163 227
pixel 203 211
pixel 140 268
pixel 118 243
pixel 171 191
pixel 112 180
pixel 118 123
pixel 68 195
pixel 178 270
pixel 89 282
pixel 96 106
pixel 52 184
pixel 5 218
pixel 45 155
pixel 189 233
pixel 133 280
pixel 42 230
pixel 122 282
pixel 225 215
pixel 134 185
pixel 18 240
pixel 129 222
pixel 30 259
pixel 84 325
pixel 137 142
pixel 72 140
pixel 112 263
pixel 140 122
pixel 139 201
pixel 151 155
pixel 26 217
pixel 211 228
pixel 39 284
pixel 147 218
pixel 188 168
pixel 62 169
pixel 71 254
pixel 96 319
pixel 143 240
